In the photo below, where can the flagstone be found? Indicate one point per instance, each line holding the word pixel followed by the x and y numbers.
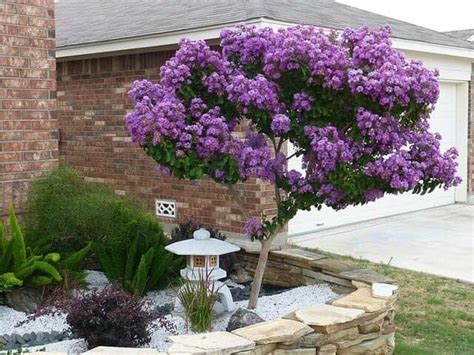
pixel 215 343
pixel 362 299
pixel 275 331
pixel 327 318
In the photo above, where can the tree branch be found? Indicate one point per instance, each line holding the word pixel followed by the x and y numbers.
pixel 238 199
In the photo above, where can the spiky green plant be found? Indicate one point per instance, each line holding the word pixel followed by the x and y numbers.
pixel 145 266
pixel 198 298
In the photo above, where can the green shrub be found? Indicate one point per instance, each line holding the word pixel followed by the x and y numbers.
pixel 144 267
pixel 65 213
pixel 17 267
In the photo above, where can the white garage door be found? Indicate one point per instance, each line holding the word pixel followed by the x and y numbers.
pixel 443 120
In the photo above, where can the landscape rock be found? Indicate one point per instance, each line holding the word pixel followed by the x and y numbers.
pixel 346 343
pixel 301 351
pixel 259 350
pixel 290 345
pixel 374 346
pixel 318 339
pixel 302 255
pixel 184 349
pixel 391 340
pixel 332 265
pixel 326 318
pixel 164 310
pixel 215 342
pixel 381 290
pixel 327 350
pixel 365 275
pixel 107 350
pixel 328 278
pixel 370 328
pixel 19 339
pixel 23 299
pixel 275 331
pixel 241 276
pixel 243 318
pixel 362 299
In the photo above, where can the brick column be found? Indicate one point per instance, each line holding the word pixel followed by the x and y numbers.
pixel 28 127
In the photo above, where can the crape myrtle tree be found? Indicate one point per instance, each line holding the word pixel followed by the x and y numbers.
pixel 355 111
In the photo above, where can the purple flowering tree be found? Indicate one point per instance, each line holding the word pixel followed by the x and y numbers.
pixel 355 111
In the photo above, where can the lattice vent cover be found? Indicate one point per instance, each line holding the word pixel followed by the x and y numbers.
pixel 165 208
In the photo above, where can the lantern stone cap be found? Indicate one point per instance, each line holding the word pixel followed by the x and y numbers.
pixel 202 244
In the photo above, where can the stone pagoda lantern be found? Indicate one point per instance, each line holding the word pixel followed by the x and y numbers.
pixel 202 260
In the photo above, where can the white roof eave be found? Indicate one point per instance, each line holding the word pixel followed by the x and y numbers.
pixel 212 32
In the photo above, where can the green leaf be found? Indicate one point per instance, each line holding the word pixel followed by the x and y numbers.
pixel 18 242
pixel 40 280
pixel 141 276
pixel 76 260
pixel 105 261
pixel 3 240
pixel 131 263
pixel 48 269
pixel 52 257
pixel 9 279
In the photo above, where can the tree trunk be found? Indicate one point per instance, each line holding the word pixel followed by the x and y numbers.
pixel 259 271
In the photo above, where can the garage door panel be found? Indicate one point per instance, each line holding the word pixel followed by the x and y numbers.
pixel 443 121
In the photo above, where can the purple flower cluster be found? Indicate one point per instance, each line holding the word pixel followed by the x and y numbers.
pixel 253 227
pixel 259 92
pixel 421 160
pixel 383 134
pixel 280 124
pixel 310 47
pixel 380 72
pixel 302 101
pixel 328 148
pixel 203 95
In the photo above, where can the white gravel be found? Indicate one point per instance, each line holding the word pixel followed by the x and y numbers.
pixel 96 279
pixel 71 347
pixel 269 307
pixel 9 318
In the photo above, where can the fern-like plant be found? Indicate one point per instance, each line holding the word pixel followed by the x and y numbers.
pixel 145 267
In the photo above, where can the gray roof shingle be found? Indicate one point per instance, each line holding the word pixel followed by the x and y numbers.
pixel 92 21
pixel 464 34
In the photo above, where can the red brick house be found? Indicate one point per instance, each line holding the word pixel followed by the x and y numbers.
pixel 28 126
pixel 103 46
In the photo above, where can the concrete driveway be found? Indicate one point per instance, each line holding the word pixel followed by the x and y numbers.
pixel 438 241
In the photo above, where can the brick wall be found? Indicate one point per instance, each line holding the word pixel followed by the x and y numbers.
pixel 470 154
pixel 92 103
pixel 28 135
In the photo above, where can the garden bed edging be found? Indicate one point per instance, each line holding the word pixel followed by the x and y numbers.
pixel 361 321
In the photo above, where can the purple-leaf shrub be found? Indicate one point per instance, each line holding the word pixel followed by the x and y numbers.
pixel 353 107
pixel 111 317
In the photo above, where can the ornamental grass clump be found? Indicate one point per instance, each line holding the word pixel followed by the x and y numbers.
pixel 352 107
pixel 198 298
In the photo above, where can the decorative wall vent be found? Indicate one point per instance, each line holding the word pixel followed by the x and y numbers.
pixel 165 208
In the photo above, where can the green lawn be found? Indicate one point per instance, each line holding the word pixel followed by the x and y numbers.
pixel 434 315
